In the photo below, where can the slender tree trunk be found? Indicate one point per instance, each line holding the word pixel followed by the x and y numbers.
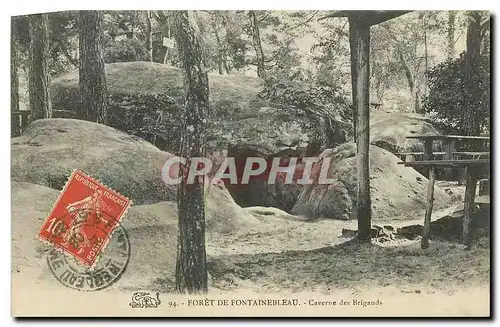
pixel 353 39
pixel 472 62
pixel 451 34
pixel 15 124
pixel 220 54
pixel 257 44
pixel 39 79
pixel 416 98
pixel 93 90
pixel 164 22
pixel 191 269
pixel 227 66
pixel 149 37
pixel 426 60
pixel 411 82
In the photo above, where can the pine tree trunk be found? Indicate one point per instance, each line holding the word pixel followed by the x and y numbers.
pixel 149 37
pixel 227 66
pixel 451 34
pixel 426 58
pixel 410 80
pixel 416 98
pixel 93 90
pixel 14 80
pixel 191 269
pixel 220 53
pixel 472 62
pixel 164 22
pixel 39 79
pixel 261 69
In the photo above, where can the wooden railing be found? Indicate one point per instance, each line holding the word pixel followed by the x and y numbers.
pixel 19 121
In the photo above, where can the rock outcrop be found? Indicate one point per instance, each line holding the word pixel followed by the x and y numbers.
pixel 389 130
pixel 151 229
pixel 147 98
pixel 396 191
pixel 50 149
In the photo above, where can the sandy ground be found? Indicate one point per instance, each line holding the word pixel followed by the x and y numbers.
pixel 302 261
pixel 308 261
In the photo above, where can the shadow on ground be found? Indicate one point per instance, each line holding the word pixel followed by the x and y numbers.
pixel 401 263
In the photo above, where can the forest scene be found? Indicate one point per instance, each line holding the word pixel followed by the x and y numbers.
pixel 396 103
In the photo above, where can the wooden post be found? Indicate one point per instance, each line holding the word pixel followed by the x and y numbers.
pixel 363 129
pixel 354 71
pixel 449 149
pixel 470 195
pixel 25 119
pixel 427 153
pixel 428 209
pixel 484 187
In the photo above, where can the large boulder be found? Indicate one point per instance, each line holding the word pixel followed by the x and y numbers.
pixel 389 130
pixel 50 149
pixel 145 99
pixel 396 191
pixel 151 229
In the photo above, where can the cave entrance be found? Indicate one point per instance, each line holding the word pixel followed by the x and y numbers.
pixel 256 192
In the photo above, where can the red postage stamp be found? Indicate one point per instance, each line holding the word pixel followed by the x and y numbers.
pixel 83 218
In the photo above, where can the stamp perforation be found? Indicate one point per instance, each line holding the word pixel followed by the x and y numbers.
pixel 116 221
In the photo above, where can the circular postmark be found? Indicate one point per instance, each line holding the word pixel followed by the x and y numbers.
pixel 108 269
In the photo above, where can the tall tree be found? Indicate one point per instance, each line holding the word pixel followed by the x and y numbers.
pixel 220 56
pixel 39 79
pixel 93 91
pixel 257 44
pixel 406 52
pixel 451 34
pixel 163 19
pixel 14 79
pixel 191 269
pixel 149 36
pixel 472 66
pixel 424 19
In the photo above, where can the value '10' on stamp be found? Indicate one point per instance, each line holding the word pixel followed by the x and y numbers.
pixel 83 218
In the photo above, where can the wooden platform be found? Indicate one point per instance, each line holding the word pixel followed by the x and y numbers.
pixel 464 153
pixel 446 163
pixel 447 137
pixel 482 199
pixel 472 169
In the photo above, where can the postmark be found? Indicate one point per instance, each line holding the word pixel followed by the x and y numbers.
pixel 83 218
pixel 108 269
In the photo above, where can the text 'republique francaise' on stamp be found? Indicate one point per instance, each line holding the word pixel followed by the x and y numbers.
pixel 83 218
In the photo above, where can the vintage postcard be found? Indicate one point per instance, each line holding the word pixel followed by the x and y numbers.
pixel 251 163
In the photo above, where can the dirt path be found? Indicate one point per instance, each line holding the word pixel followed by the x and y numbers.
pixel 446 267
pixel 294 259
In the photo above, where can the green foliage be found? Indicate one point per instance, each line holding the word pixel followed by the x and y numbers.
pixel 123 22
pixel 144 115
pixel 125 50
pixel 325 104
pixel 331 54
pixel 63 40
pixel 448 93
